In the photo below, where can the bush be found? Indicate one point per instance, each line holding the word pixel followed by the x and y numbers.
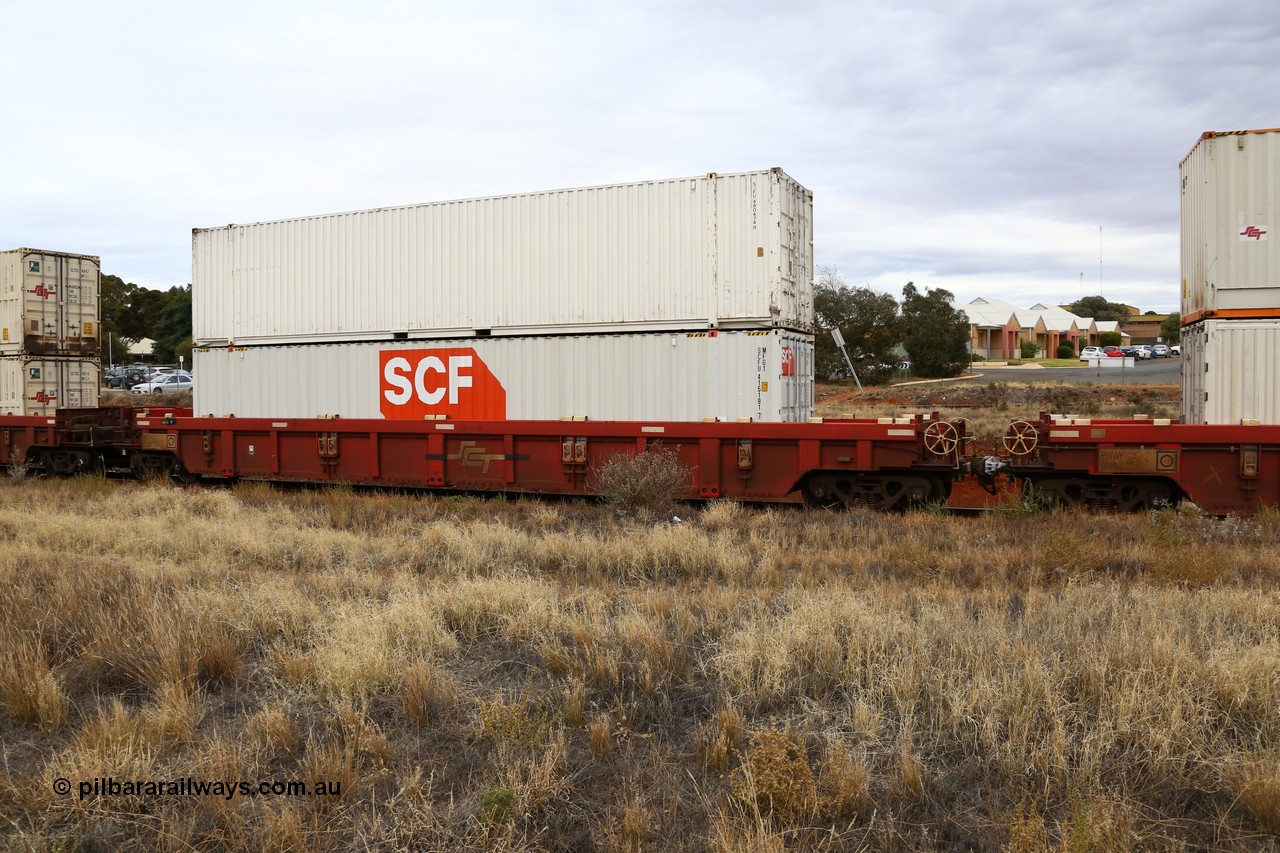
pixel 647 481
pixel 1066 350
pixel 1028 349
pixel 776 778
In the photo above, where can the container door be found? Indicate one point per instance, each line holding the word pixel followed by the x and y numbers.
pixel 1194 377
pixel 79 307
pixel 60 305
pixel 40 387
pixel 794 214
pixel 40 294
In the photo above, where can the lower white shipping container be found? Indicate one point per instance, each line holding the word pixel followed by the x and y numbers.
pixel 1231 371
pixel 765 376
pixel 39 386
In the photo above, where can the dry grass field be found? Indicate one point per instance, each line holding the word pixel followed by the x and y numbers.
pixel 463 673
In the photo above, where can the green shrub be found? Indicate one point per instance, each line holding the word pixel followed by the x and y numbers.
pixel 1028 349
pixel 1066 350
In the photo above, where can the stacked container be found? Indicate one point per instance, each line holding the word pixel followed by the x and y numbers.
pixel 1231 278
pixel 49 331
pixel 679 299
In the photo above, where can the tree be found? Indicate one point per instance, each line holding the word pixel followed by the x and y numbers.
pixel 172 330
pixel 1099 309
pixel 131 312
pixel 866 318
pixel 935 333
pixel 1110 339
pixel 1171 328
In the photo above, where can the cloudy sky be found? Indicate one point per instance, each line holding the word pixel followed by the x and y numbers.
pixel 1023 150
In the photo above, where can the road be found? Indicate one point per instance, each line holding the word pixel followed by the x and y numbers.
pixel 1157 371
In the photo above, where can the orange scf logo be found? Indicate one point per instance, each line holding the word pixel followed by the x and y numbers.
pixel 450 381
pixel 44 292
pixel 1253 232
pixel 788 361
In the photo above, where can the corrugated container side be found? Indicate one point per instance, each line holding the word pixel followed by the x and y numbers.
pixel 1230 206
pixel 733 251
pixel 49 303
pixel 39 386
pixel 1229 371
pixel 766 376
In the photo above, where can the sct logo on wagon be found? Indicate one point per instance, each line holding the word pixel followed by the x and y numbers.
pixel 452 381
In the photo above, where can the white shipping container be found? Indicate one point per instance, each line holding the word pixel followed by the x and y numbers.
pixel 38 386
pixel 1230 207
pixel 766 376
pixel 1229 370
pixel 48 303
pixel 717 251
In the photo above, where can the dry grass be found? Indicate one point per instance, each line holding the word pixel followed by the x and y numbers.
pixel 516 675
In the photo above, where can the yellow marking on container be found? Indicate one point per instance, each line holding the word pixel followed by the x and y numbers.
pixel 1064 433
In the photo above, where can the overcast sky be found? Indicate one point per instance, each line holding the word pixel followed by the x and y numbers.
pixel 1022 150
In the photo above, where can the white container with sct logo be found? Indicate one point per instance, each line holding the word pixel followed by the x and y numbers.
pixel 1230 209
pixel 732 251
pixel 676 376
pixel 39 386
pixel 48 303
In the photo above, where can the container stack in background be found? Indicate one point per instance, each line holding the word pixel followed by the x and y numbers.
pixel 683 299
pixel 1231 278
pixel 49 331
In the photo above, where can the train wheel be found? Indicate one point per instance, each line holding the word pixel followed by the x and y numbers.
pixel 148 466
pixel 180 475
pixel 819 493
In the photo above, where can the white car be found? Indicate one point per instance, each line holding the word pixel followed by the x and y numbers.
pixel 1092 352
pixel 170 384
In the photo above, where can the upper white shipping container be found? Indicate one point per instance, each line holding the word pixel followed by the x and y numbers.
pixel 1230 206
pixel 766 376
pixel 48 303
pixel 1229 371
pixel 39 386
pixel 717 251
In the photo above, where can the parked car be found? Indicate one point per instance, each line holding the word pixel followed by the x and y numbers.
pixel 1176 349
pixel 1139 352
pixel 1112 352
pixel 1161 351
pixel 124 377
pixel 1144 351
pixel 1091 352
pixel 169 384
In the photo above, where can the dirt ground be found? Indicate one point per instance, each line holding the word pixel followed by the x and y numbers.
pixel 1000 396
